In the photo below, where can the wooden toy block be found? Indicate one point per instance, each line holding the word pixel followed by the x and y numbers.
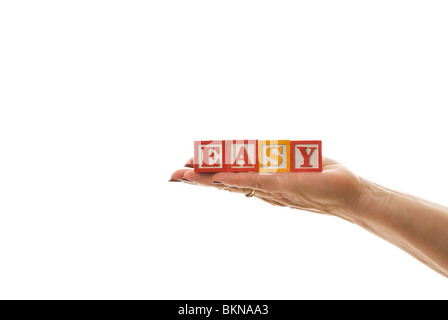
pixel 273 155
pixel 306 156
pixel 209 156
pixel 241 155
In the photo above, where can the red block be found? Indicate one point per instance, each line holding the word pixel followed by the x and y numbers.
pixel 306 156
pixel 209 156
pixel 241 155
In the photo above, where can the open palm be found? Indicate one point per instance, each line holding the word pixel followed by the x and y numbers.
pixel 413 224
pixel 331 191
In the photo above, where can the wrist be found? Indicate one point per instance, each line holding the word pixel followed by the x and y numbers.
pixel 379 210
pixel 362 210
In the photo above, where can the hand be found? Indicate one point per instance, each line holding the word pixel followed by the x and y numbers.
pixel 334 191
pixel 415 225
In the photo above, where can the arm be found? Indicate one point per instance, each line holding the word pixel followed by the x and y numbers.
pixel 415 225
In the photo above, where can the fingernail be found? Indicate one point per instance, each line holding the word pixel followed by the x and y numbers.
pixel 186 180
pixel 173 180
pixel 189 165
pixel 216 182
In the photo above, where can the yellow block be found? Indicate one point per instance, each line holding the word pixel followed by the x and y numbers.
pixel 273 155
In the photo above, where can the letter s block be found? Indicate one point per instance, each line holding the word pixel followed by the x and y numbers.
pixel 241 155
pixel 306 156
pixel 273 155
pixel 209 156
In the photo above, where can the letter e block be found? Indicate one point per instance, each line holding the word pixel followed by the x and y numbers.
pixel 306 156
pixel 241 155
pixel 209 156
pixel 273 155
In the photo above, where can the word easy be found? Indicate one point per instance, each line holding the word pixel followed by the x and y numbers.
pixel 258 155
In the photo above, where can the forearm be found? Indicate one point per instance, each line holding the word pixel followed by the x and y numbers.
pixel 415 225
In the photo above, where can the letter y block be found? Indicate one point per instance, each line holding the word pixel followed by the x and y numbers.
pixel 306 156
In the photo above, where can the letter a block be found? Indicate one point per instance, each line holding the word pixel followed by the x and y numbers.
pixel 306 156
pixel 209 156
pixel 241 155
pixel 273 155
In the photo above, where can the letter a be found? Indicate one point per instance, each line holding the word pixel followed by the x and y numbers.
pixel 242 155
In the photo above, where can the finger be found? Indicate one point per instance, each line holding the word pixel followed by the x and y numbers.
pixel 250 180
pixel 245 191
pixel 189 163
pixel 203 178
pixel 178 174
pixel 207 179
pixel 267 197
pixel 272 202
pixel 329 162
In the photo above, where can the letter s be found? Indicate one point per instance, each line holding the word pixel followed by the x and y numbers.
pixel 275 154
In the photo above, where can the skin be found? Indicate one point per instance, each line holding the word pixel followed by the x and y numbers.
pixel 415 225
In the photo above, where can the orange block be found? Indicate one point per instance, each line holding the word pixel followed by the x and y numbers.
pixel 273 155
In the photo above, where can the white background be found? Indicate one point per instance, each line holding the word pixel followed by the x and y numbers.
pixel 100 101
